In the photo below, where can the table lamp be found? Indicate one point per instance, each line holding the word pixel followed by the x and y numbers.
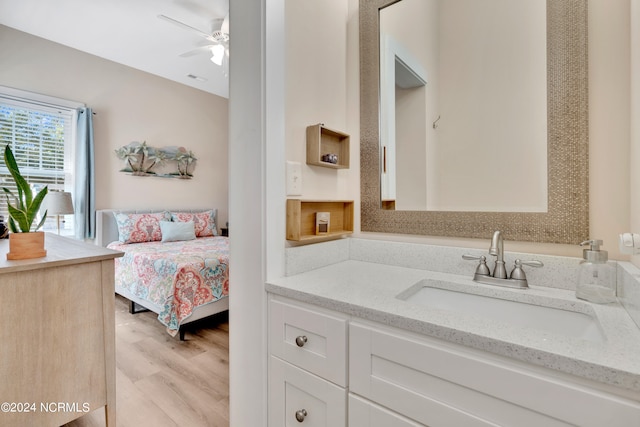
pixel 59 203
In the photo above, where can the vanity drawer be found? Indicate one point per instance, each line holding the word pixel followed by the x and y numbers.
pixel 297 397
pixel 310 338
pixel 439 384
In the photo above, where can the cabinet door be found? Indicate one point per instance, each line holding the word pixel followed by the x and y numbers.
pixel 363 413
pixel 438 384
pixel 298 398
pixel 56 341
pixel 314 340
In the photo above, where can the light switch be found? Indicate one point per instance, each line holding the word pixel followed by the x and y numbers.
pixel 294 178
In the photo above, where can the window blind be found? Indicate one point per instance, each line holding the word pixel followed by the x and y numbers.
pixel 39 136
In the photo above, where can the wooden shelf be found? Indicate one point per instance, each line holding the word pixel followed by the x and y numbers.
pixel 321 141
pixel 301 219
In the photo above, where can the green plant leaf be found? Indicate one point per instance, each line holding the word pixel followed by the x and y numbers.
pixel 12 225
pixel 20 217
pixel 34 207
pixel 41 223
pixel 25 207
pixel 23 186
pixel 9 193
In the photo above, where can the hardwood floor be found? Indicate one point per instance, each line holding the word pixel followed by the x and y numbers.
pixel 161 381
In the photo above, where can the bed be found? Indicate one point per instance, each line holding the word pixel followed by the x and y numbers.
pixel 175 263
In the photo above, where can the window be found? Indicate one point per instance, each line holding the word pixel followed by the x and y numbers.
pixel 41 133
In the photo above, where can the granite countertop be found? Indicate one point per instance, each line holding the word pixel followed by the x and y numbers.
pixel 368 291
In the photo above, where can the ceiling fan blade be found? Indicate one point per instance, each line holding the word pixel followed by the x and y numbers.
pixel 225 24
pixel 197 51
pixel 205 43
pixel 186 27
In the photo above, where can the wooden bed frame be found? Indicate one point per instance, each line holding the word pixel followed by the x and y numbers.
pixel 107 232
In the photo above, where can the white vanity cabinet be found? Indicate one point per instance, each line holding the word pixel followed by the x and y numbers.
pixel 329 369
pixel 307 366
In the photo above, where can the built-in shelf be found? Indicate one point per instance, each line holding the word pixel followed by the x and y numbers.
pixel 301 219
pixel 389 205
pixel 322 141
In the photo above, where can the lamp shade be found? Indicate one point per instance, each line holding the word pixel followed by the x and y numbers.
pixel 59 203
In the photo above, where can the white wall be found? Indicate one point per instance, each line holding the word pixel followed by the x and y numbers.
pixel 412 155
pixel 316 64
pixel 256 199
pixel 609 121
pixel 130 105
pixel 492 151
pixel 486 70
pixel 634 154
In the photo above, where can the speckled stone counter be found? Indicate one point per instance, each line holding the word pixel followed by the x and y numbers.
pixel 369 290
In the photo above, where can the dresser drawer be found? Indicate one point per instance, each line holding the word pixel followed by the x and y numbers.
pixel 297 397
pixel 312 339
pixel 439 384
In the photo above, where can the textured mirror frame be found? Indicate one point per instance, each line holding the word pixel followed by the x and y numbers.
pixel 567 217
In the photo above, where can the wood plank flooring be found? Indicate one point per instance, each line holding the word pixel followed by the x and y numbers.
pixel 164 382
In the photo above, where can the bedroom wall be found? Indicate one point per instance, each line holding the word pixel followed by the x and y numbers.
pixel 130 105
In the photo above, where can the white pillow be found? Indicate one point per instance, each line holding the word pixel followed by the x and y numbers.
pixel 177 231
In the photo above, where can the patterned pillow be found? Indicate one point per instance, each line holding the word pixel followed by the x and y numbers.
pixel 204 222
pixel 142 227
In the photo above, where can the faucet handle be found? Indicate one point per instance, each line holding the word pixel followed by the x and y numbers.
pixel 482 269
pixel 518 273
pixel 533 263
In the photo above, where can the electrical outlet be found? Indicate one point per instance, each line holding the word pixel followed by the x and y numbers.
pixel 294 178
pixel 630 243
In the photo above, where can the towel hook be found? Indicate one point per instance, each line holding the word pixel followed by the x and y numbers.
pixel 435 123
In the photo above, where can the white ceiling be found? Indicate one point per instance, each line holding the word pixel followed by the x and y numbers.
pixel 129 32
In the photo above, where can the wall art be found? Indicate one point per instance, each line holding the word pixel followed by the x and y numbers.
pixel 166 162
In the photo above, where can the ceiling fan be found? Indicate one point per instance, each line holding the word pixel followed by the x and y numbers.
pixel 217 44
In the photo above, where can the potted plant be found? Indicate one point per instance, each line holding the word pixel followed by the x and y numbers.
pixel 23 208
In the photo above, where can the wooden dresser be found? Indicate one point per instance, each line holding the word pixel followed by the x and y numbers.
pixel 57 334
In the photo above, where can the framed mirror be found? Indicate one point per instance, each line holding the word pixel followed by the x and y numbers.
pixel 560 215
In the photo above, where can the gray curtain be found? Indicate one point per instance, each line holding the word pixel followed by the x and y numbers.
pixel 84 192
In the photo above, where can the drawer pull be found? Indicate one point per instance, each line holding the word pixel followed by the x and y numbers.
pixel 301 414
pixel 301 341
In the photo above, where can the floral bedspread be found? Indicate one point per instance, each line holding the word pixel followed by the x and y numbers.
pixel 178 276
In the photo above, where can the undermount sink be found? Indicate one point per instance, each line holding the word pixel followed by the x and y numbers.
pixel 515 313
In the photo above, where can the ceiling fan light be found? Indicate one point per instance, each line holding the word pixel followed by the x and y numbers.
pixel 217 53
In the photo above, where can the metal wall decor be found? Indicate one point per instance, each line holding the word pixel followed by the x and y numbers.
pixel 166 162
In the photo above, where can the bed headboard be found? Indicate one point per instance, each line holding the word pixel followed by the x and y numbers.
pixel 107 228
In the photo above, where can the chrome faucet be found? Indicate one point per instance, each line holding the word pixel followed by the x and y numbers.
pixel 497 250
pixel 517 278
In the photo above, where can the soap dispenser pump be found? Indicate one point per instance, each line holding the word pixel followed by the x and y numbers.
pixel 596 277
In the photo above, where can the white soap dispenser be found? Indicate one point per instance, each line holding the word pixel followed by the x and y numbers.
pixel 596 277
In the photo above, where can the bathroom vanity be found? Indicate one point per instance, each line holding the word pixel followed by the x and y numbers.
pixel 368 333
